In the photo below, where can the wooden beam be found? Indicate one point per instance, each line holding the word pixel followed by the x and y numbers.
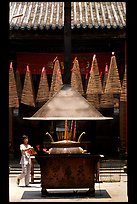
pixel 77 34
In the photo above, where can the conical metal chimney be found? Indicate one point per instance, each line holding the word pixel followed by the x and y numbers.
pixel 67 104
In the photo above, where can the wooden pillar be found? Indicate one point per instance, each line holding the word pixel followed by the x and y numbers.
pixel 67 42
pixel 10 130
pixel 123 118
pixel 126 101
pixel 123 127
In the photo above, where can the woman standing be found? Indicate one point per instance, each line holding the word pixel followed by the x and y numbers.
pixel 25 161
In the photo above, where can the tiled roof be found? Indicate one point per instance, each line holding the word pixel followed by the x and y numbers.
pixel 45 15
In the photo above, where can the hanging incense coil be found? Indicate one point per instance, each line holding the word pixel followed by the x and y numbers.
pixel 123 94
pixel 19 85
pixel 13 97
pixel 94 87
pixel 105 77
pixel 76 80
pixel 113 84
pixel 94 83
pixel 43 90
pixel 91 87
pixel 56 82
pixel 106 100
pixel 28 90
pixel 94 99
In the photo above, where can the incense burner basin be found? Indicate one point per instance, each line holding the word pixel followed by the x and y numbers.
pixel 66 147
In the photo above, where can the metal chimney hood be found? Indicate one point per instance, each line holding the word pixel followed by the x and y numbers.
pixel 67 104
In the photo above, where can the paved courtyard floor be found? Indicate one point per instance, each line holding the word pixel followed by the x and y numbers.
pixel 104 192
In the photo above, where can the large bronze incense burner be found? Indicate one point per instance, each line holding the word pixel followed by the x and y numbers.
pixel 66 164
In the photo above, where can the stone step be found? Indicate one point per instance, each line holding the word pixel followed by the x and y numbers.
pixel 16 170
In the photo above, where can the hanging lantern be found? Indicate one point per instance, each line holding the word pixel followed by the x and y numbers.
pixel 13 97
pixel 43 90
pixel 76 80
pixel 56 82
pixel 28 90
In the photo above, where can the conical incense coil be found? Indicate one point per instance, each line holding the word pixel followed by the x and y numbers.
pixel 105 77
pixel 106 100
pixel 28 90
pixel 43 90
pixel 76 80
pixel 56 82
pixel 94 82
pixel 19 85
pixel 113 84
pixel 94 99
pixel 13 97
pixel 123 94
pixel 91 87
